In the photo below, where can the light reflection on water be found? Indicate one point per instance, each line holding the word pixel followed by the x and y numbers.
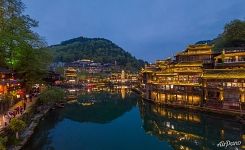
pixel 119 119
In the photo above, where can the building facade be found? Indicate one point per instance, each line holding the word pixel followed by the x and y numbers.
pixel 197 77
pixel 70 75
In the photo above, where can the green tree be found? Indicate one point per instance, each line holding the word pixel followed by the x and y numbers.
pixel 34 66
pixel 51 96
pixel 19 45
pixel 16 125
pixel 233 35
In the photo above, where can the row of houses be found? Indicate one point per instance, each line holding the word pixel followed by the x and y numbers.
pixel 8 83
pixel 72 77
pixel 198 76
pixel 11 89
pixel 87 65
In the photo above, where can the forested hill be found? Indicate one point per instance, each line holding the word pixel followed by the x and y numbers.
pixel 97 49
pixel 233 37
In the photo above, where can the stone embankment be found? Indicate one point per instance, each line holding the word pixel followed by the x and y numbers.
pixel 29 131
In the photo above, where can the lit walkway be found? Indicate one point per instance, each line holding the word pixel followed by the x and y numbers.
pixel 20 103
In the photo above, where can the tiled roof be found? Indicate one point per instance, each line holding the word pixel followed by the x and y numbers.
pixel 224 73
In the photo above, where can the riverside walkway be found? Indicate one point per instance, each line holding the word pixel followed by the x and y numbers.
pixel 13 108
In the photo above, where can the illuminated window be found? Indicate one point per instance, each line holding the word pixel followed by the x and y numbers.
pixel 234 84
pixel 239 84
pixel 228 84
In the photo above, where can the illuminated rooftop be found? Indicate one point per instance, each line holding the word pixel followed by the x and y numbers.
pixel 198 49
pixel 224 74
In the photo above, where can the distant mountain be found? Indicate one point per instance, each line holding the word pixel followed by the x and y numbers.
pixel 97 49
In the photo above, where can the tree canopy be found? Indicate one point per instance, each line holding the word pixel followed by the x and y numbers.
pixel 51 96
pixel 16 125
pixel 97 49
pixel 21 50
pixel 233 36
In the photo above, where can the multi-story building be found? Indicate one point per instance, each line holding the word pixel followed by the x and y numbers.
pixel 90 66
pixel 197 77
pixel 224 86
pixel 198 52
pixel 230 60
pixel 70 75
pixel 123 78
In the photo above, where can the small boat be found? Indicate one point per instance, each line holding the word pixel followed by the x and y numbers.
pixel 60 105
pixel 87 103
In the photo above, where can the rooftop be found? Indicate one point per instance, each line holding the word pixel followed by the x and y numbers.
pixel 197 49
pixel 224 74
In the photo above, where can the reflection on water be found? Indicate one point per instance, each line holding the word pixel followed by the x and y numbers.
pixel 189 130
pixel 99 107
pixel 117 119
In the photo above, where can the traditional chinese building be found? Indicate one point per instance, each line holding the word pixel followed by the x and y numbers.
pixel 224 86
pixel 198 52
pixel 197 77
pixel 125 78
pixel 70 75
pixel 230 60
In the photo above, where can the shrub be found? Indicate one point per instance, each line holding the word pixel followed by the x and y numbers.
pixel 16 125
pixel 3 141
pixel 51 96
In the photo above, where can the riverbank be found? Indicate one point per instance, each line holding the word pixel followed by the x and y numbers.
pixel 47 100
pixel 4 121
pixel 232 113
pixel 28 132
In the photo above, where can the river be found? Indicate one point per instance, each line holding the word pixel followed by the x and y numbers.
pixel 120 120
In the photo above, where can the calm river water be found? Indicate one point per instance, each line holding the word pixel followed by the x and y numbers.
pixel 120 120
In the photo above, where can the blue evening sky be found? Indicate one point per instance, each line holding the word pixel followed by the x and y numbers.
pixel 149 29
